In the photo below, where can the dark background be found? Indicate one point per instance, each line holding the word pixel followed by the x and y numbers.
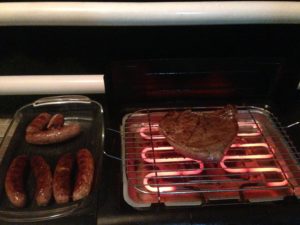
pixel 51 50
pixel 91 50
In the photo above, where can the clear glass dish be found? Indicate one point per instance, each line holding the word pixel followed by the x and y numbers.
pixel 79 109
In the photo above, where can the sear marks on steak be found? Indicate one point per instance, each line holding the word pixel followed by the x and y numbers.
pixel 201 135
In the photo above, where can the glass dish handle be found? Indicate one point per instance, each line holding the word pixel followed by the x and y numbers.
pixel 62 100
pixel 293 124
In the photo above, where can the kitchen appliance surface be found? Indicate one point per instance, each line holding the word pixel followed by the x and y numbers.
pixel 257 180
pixel 223 64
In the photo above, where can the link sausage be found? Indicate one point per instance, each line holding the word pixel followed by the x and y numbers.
pixel 43 177
pixel 53 135
pixel 56 121
pixel 14 181
pixel 85 173
pixel 38 123
pixel 62 179
pixel 47 129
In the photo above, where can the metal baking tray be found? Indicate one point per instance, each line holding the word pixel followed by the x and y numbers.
pixel 79 109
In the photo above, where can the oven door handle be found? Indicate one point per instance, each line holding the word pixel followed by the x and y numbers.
pixel 62 99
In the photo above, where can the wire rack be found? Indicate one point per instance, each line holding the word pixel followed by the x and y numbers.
pixel 261 164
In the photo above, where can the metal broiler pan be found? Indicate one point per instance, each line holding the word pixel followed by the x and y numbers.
pixel 79 109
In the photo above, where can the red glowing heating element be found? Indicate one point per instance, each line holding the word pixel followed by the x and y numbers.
pixel 166 173
pixel 153 134
pixel 253 170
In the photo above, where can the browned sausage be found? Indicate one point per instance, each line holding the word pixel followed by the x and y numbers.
pixel 85 173
pixel 53 135
pixel 56 121
pixel 14 181
pixel 43 177
pixel 47 129
pixel 38 123
pixel 62 179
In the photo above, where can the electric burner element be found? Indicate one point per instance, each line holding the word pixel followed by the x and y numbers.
pixel 261 164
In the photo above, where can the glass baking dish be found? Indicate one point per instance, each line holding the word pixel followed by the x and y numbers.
pixel 75 108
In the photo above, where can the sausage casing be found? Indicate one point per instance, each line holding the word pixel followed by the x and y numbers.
pixel 46 129
pixel 56 121
pixel 38 123
pixel 43 177
pixel 53 135
pixel 62 179
pixel 14 181
pixel 85 174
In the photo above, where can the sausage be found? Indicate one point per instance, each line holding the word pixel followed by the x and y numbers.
pixel 56 121
pixel 43 177
pixel 38 123
pixel 62 179
pixel 47 129
pixel 14 181
pixel 85 173
pixel 53 135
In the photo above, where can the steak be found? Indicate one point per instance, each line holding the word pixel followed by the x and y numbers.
pixel 200 135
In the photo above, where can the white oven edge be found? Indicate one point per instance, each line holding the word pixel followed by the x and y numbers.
pixel 51 84
pixel 148 13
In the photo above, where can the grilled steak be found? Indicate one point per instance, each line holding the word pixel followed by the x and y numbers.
pixel 200 135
